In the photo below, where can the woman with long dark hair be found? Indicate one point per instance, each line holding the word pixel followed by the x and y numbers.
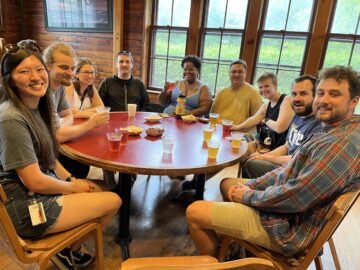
pixel 82 94
pixel 29 171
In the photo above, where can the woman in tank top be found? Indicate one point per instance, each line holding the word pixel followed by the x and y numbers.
pixel 276 113
pixel 82 94
pixel 198 95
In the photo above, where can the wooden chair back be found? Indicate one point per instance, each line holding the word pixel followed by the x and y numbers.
pixel 334 217
pixel 40 251
pixel 195 263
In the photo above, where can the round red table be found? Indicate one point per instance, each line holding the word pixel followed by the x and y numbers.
pixel 144 155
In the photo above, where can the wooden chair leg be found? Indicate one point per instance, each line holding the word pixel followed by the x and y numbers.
pixel 99 249
pixel 318 263
pixel 224 247
pixel 334 254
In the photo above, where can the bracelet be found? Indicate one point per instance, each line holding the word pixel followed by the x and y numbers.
pixel 69 178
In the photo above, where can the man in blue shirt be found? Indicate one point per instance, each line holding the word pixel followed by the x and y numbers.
pixel 301 129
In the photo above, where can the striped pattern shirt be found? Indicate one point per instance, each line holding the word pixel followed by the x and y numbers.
pixel 293 200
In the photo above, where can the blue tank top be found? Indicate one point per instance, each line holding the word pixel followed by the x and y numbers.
pixel 191 103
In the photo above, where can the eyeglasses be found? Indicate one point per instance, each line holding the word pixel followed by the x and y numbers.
pixel 88 73
pixel 14 48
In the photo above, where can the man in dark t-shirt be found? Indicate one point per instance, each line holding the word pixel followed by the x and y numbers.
pixel 301 129
pixel 122 89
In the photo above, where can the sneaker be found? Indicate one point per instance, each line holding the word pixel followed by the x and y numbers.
pixel 81 259
pixel 67 259
pixel 63 260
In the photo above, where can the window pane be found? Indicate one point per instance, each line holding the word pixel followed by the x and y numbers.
pixel 178 43
pixel 236 14
pixel 293 52
pixel 211 46
pixel 208 72
pixel 216 14
pixel 174 70
pixel 338 52
pixel 276 14
pixel 181 13
pixel 299 15
pixel 346 17
pixel 158 73
pixel 230 49
pixel 355 60
pixel 222 77
pixel 285 80
pixel 161 42
pixel 269 51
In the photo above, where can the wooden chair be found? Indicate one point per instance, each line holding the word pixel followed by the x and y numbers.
pixel 334 217
pixel 195 263
pixel 42 250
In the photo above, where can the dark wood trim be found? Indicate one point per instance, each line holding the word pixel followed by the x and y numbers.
pixel 317 42
pixel 252 27
pixel 196 12
pixel 146 51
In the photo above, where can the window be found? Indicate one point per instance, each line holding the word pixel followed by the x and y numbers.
pixel 343 47
pixel 78 15
pixel 284 39
pixel 169 41
pixel 222 39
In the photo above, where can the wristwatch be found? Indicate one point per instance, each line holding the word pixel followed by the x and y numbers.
pixel 69 178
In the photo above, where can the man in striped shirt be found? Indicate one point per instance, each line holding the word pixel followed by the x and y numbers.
pixel 284 210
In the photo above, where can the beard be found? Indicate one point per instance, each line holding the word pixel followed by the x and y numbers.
pixel 307 110
pixel 66 81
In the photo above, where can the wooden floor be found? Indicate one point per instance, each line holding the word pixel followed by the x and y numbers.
pixel 158 227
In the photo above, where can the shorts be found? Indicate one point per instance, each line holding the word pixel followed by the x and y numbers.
pixel 240 221
pixel 17 208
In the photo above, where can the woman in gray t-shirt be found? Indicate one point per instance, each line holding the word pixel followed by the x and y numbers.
pixel 29 171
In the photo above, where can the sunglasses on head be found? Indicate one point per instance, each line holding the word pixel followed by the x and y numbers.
pixel 15 48
pixel 125 52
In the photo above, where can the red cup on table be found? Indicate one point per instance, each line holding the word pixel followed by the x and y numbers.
pixel 226 124
pixel 114 139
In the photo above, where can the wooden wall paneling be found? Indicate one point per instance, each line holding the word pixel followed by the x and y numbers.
pixel 251 35
pixel 133 32
pixel 12 28
pixel 196 15
pixel 318 38
pixel 118 29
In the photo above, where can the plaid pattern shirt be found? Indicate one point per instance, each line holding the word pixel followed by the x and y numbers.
pixel 293 200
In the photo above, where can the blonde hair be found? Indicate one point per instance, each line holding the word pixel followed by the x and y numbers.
pixel 57 47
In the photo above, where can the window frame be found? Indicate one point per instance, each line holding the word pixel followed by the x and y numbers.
pixel 282 34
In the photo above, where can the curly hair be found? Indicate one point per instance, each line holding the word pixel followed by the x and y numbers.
pixel 342 73
pixel 192 59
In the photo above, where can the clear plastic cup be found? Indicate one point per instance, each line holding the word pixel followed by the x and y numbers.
pixel 132 110
pixel 236 138
pixel 103 109
pixel 213 149
pixel 214 119
pixel 207 133
pixel 168 144
pixel 114 139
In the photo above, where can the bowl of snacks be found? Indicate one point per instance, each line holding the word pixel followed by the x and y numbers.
pixel 152 118
pixel 154 131
pixel 189 118
pixel 133 130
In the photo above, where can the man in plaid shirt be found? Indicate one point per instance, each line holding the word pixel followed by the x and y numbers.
pixel 284 210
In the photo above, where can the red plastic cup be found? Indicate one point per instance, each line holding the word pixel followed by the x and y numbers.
pixel 125 135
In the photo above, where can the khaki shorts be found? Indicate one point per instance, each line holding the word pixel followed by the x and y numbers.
pixel 239 221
